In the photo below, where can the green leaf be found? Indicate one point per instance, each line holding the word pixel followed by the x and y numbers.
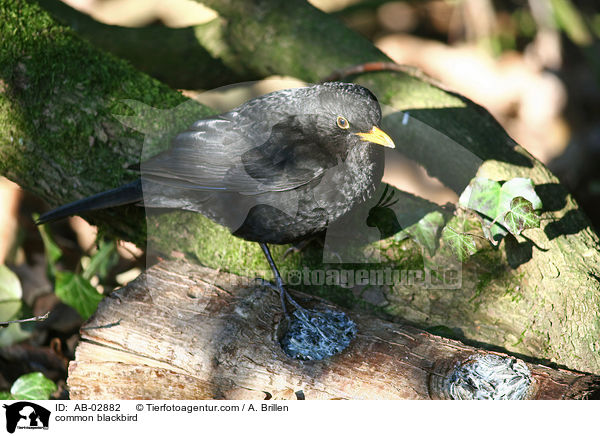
pixel 10 307
pixel 521 216
pixel 53 251
pixel 77 292
pixel 10 294
pixel 425 232
pixel 33 386
pixel 494 200
pixel 10 286
pixel 460 242
pixel 102 261
pixel 13 334
pixel 481 195
pixel 518 187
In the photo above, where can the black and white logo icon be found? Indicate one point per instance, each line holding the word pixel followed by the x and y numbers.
pixel 26 415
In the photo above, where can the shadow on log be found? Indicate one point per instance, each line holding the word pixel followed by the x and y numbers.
pixel 182 331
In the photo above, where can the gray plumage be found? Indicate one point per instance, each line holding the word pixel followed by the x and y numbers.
pixel 276 169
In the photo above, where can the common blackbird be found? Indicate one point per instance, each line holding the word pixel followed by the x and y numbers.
pixel 277 169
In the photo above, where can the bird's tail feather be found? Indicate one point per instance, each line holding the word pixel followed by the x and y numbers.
pixel 126 194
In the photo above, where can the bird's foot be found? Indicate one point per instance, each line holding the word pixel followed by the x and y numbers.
pixel 311 334
pixel 283 295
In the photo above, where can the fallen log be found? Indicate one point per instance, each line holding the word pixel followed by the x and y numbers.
pixel 182 331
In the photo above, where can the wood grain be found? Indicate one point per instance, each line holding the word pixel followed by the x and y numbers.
pixel 182 331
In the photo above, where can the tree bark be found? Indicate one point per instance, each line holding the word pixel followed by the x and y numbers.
pixel 181 331
pixel 59 138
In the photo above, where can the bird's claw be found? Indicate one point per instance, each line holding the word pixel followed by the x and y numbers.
pixel 284 296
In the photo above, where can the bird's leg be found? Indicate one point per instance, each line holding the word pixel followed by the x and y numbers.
pixel 335 331
pixel 283 294
pixel 304 315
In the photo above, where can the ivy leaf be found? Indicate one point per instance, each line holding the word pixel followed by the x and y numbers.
pixel 77 292
pixel 481 195
pixel 521 216
pixel 493 200
pixel 33 386
pixel 519 187
pixel 425 232
pixel 460 242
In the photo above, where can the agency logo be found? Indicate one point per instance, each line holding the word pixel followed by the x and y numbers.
pixel 26 415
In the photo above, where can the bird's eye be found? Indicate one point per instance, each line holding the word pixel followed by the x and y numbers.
pixel 342 123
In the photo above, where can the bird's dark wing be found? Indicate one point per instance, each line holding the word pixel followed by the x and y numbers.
pixel 226 153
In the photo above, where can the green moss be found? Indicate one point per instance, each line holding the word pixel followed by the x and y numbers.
pixel 63 92
pixel 59 136
pixel 491 276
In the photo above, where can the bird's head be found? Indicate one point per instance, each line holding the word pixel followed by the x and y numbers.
pixel 351 112
pixel 318 124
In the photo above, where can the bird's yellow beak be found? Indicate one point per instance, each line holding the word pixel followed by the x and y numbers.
pixel 377 136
